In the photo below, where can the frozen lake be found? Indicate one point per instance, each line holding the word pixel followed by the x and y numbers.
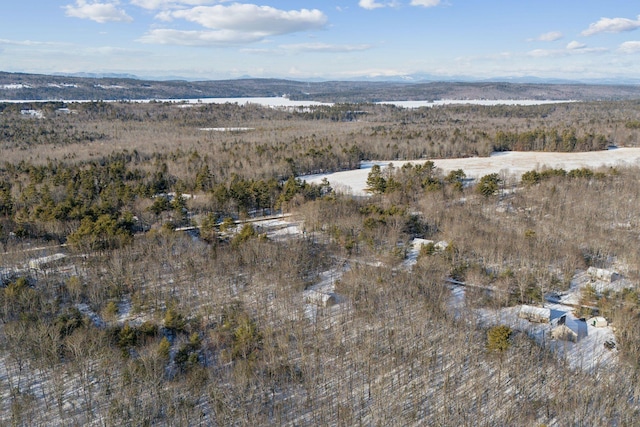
pixel 484 102
pixel 281 101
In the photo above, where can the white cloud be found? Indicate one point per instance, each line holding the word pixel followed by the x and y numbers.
pixel 252 19
pixel 370 4
pixel 323 47
pixel 573 48
pixel 233 24
pixel 99 12
pixel 373 73
pixel 630 47
pixel 425 3
pixel 375 4
pixel 551 36
pixel 261 51
pixel 200 38
pixel 574 45
pixel 27 43
pixel 150 4
pixel 115 51
pixel 163 4
pixel 165 15
pixel 541 53
pixel 612 25
pixel 309 48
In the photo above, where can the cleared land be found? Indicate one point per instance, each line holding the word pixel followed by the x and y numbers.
pixel 511 164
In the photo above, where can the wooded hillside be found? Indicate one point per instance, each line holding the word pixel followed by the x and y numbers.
pixel 19 86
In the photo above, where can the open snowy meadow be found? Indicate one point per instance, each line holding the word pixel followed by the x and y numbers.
pixel 510 163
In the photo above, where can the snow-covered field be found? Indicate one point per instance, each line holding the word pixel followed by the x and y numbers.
pixel 513 163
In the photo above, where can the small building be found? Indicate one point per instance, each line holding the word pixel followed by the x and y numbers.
pixel 602 274
pixel 535 314
pixel 32 113
pixel 322 299
pixel 598 322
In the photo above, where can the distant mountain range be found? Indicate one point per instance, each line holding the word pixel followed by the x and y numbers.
pixel 409 78
pixel 21 86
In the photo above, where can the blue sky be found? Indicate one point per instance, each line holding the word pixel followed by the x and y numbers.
pixel 324 39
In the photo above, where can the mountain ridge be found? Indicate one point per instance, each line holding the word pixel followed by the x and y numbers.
pixel 24 86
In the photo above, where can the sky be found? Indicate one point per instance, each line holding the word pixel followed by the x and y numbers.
pixel 324 39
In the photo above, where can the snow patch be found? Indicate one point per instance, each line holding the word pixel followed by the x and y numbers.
pixel 13 86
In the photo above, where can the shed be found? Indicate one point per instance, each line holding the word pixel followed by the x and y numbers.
pixel 322 299
pixel 598 322
pixel 602 274
pixel 535 314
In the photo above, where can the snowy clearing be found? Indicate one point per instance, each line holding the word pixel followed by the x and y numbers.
pixel 588 353
pixel 513 163
pixel 322 296
pixel 280 228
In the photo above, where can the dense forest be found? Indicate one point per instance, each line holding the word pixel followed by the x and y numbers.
pixel 140 287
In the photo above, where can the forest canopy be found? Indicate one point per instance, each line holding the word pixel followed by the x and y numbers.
pixel 145 278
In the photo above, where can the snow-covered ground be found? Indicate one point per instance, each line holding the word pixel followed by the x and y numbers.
pixel 588 353
pixel 485 102
pixel 279 228
pixel 95 318
pixel 414 252
pixel 322 295
pixel 513 163
pixel 581 280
